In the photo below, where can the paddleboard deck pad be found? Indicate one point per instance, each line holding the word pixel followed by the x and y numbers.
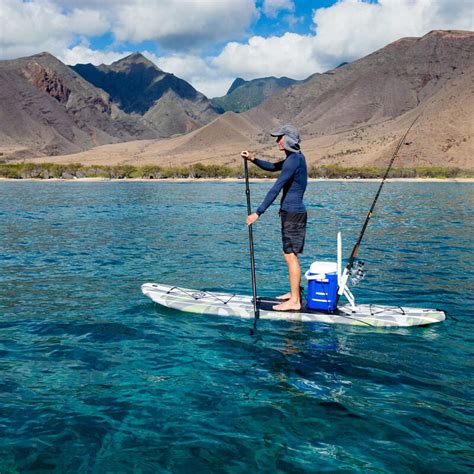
pixel 226 304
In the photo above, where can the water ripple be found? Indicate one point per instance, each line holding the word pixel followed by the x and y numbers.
pixel 98 379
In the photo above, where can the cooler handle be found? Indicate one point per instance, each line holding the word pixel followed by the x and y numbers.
pixel 316 276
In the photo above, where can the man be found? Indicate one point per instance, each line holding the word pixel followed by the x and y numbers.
pixel 292 180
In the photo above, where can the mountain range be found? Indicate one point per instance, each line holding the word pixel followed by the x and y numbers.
pixel 244 95
pixel 48 108
pixel 352 115
pixel 161 101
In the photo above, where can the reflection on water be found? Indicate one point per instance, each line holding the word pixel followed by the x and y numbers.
pixel 98 379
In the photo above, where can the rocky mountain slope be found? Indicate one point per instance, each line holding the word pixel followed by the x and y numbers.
pixel 243 95
pixel 167 104
pixel 383 85
pixel 47 109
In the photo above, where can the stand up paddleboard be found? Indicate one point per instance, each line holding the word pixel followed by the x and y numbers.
pixel 326 284
pixel 225 304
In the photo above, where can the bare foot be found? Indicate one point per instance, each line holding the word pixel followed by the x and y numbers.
pixel 287 296
pixel 284 297
pixel 288 306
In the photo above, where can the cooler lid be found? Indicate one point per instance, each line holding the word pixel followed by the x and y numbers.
pixel 323 267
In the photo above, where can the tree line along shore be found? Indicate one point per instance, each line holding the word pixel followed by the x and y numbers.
pixel 76 171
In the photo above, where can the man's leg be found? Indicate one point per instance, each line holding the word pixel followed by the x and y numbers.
pixel 293 230
pixel 294 272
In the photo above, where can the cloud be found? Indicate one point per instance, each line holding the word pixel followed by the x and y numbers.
pixel 351 29
pixel 345 31
pixel 88 22
pixel 103 5
pixel 212 87
pixel 54 25
pixel 182 65
pixel 26 28
pixel 179 25
pixel 31 27
pixel 82 54
pixel 293 20
pixel 288 55
pixel 272 8
pixel 200 72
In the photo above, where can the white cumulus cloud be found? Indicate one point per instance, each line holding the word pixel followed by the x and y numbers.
pixel 26 28
pixel 183 65
pixel 289 55
pixel 351 29
pixel 35 26
pixel 88 22
pixel 83 54
pixel 179 24
pixel 200 72
pixel 54 25
pixel 272 8
pixel 345 31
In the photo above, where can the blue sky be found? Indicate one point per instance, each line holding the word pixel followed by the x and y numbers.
pixel 295 19
pixel 210 42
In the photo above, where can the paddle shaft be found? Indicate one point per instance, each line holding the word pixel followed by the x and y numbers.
pixel 355 250
pixel 252 253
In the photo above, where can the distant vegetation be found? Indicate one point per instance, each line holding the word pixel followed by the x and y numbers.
pixel 74 171
pixel 335 171
pixel 243 95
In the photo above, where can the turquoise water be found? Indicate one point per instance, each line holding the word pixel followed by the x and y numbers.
pixel 96 378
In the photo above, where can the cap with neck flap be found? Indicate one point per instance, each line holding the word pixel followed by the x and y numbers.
pixel 292 137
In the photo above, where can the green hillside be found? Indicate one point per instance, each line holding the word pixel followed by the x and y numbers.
pixel 244 95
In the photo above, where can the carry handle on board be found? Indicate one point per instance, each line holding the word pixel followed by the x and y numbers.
pixel 256 311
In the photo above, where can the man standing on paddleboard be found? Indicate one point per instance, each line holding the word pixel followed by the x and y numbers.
pixel 292 180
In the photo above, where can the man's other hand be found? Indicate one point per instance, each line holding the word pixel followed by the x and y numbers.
pixel 251 218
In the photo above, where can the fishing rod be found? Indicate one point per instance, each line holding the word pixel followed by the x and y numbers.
pixel 355 250
pixel 256 311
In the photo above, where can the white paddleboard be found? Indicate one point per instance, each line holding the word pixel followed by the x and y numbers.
pixel 226 304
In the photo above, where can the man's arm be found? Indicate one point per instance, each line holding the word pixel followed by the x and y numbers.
pixel 267 166
pixel 288 170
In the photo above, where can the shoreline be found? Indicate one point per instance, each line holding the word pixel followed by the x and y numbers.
pixel 235 180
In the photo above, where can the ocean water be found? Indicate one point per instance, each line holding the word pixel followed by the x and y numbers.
pixel 98 379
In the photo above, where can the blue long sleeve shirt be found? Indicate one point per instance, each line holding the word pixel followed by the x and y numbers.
pixel 293 180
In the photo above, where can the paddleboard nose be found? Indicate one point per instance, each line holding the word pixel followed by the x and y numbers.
pixel 146 288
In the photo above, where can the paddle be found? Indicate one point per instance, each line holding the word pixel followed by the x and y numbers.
pixel 256 311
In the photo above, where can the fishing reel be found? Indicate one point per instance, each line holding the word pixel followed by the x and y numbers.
pixel 357 273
